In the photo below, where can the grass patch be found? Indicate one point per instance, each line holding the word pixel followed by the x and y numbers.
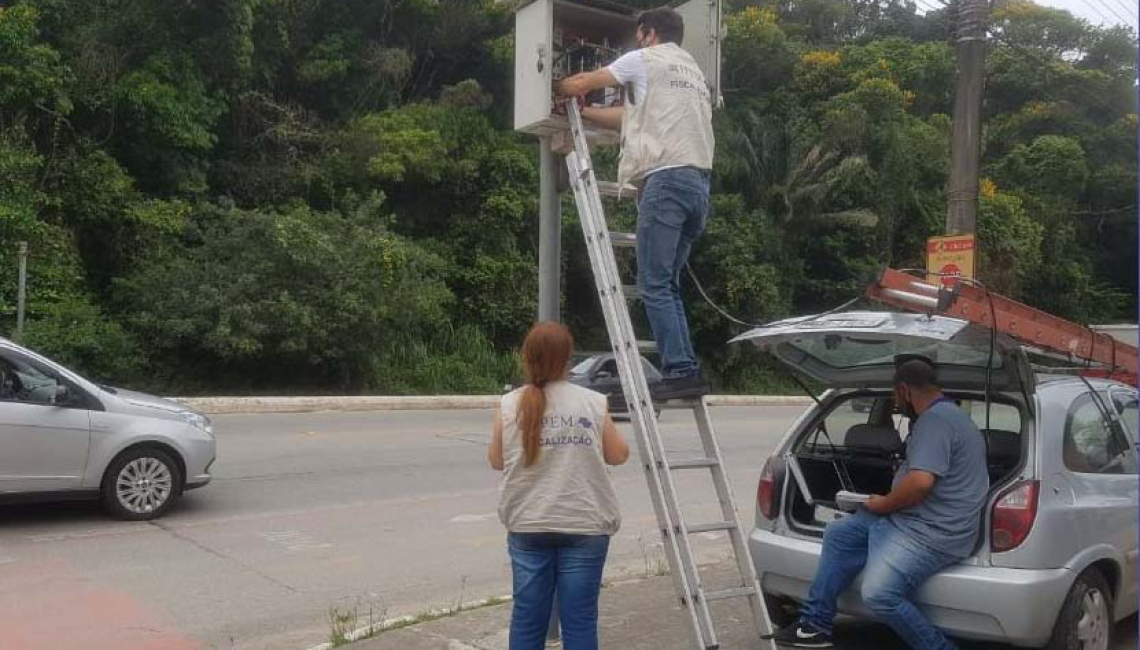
pixel 346 626
pixel 455 360
pixel 653 558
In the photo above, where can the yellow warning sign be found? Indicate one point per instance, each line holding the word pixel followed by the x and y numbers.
pixel 949 258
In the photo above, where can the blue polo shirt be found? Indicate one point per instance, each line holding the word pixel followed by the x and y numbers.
pixel 945 442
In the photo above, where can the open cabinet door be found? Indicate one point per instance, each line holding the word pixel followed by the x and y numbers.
pixel 703 36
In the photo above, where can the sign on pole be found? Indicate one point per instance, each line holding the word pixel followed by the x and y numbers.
pixel 949 258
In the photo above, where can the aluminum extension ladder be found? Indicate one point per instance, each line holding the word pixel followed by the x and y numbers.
pixel 675 531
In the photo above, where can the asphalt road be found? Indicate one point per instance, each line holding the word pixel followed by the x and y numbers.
pixel 388 512
pixel 392 512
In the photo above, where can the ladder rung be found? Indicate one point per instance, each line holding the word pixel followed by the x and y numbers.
pixel 610 188
pixel 692 463
pixel 623 239
pixel 674 404
pixel 646 346
pixel 711 528
pixel 737 592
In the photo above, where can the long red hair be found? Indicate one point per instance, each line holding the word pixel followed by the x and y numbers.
pixel 545 357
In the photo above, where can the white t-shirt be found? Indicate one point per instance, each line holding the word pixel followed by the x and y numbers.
pixel 630 69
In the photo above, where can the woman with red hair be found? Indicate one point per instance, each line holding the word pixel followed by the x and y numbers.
pixel 553 440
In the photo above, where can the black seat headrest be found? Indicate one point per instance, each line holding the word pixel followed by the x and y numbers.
pixel 1004 446
pixel 873 437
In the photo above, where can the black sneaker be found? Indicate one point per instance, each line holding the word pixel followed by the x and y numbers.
pixel 800 635
pixel 689 386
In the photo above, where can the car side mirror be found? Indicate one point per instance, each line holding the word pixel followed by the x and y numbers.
pixel 62 395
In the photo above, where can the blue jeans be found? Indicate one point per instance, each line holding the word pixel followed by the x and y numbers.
pixel 894 566
pixel 545 563
pixel 671 214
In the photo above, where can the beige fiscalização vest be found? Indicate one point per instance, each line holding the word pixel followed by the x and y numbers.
pixel 671 125
pixel 568 490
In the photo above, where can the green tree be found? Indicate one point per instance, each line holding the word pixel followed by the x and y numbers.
pixel 289 299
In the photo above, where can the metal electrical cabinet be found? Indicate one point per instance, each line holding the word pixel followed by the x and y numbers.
pixel 556 38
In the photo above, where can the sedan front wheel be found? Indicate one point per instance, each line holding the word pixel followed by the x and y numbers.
pixel 141 484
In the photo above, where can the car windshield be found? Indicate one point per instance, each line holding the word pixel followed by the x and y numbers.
pixel 583 366
pixel 851 351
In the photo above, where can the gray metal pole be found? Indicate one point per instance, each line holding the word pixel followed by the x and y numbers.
pixel 965 148
pixel 21 291
pixel 549 235
pixel 549 272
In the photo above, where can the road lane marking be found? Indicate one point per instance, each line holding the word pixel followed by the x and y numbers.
pixel 294 541
pixel 88 534
pixel 469 519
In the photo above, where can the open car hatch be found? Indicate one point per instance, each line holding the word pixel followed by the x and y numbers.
pixel 858 349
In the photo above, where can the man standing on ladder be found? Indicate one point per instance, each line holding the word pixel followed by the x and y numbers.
pixel 667 151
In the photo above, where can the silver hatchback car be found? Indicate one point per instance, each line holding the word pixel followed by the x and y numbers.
pixel 1056 563
pixel 62 436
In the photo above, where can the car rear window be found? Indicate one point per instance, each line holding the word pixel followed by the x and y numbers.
pixel 847 351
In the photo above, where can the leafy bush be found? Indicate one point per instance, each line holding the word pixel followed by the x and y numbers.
pixel 290 298
pixel 80 336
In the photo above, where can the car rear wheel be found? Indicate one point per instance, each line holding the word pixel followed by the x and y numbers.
pixel 141 484
pixel 1085 622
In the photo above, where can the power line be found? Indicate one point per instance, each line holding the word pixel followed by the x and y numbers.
pixel 1122 3
pixel 1047 66
pixel 1130 10
pixel 1103 17
pixel 1113 11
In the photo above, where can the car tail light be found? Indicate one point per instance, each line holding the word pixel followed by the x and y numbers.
pixel 1013 516
pixel 766 491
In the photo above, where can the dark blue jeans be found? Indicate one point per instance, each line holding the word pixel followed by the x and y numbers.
pixel 671 215
pixel 894 566
pixel 545 563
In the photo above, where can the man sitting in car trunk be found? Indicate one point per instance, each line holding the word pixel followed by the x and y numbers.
pixel 927 522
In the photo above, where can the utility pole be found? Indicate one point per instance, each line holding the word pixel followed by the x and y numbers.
pixel 21 291
pixel 549 233
pixel 965 149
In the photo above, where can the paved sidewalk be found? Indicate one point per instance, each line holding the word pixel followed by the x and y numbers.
pixel 642 614
pixel 636 614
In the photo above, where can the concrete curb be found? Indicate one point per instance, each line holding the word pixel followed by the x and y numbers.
pixel 370 630
pixel 235 405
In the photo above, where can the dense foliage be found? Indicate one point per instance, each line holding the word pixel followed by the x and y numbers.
pixel 326 195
